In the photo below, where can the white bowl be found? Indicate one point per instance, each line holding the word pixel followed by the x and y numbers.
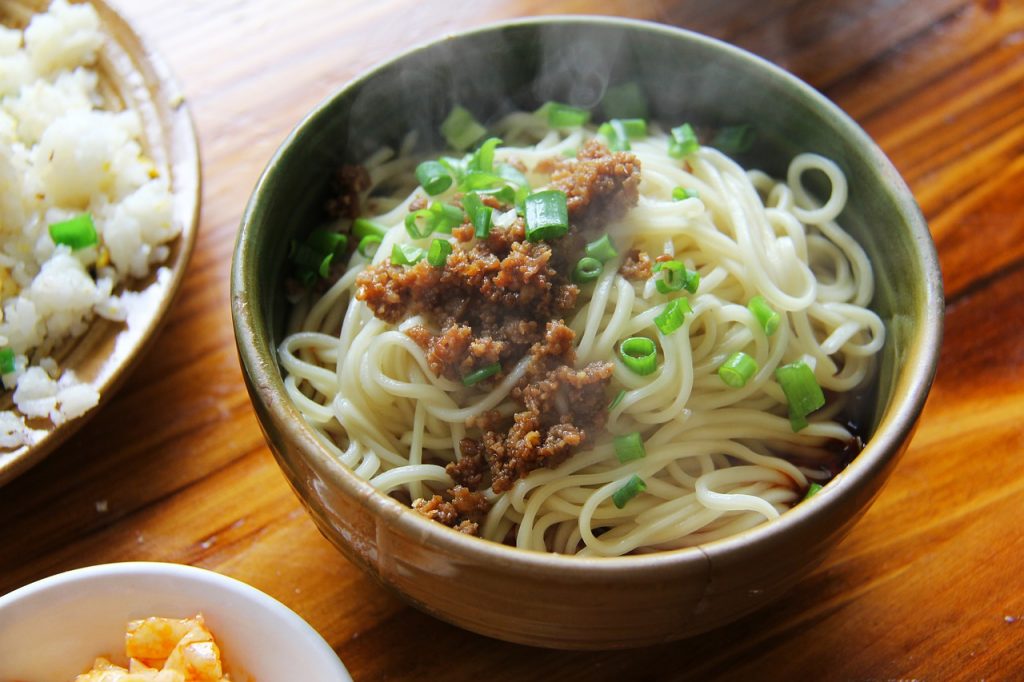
pixel 51 630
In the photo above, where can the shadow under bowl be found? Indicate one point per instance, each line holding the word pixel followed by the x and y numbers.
pixel 553 600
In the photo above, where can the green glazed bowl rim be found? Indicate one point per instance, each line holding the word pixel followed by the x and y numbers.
pixel 893 431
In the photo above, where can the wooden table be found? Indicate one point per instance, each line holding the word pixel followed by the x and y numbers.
pixel 930 585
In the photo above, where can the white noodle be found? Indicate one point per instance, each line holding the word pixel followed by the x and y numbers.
pixel 715 460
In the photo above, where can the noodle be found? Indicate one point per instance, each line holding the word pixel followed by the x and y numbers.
pixel 718 459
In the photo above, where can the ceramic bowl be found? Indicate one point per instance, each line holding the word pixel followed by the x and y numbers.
pixel 546 599
pixel 53 629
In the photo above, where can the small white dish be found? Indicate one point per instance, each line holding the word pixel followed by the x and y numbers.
pixel 53 629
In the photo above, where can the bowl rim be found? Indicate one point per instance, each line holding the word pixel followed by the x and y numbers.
pixel 894 429
pixel 292 623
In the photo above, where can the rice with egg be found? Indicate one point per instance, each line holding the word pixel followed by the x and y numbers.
pixel 63 154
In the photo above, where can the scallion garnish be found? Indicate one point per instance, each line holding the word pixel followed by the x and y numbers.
pixel 639 354
pixel 512 174
pixel 446 216
pixel 505 195
pixel 482 222
pixel 420 224
pixel 479 375
pixel 634 486
pixel 78 232
pixel 565 116
pixel 460 129
pixel 478 180
pixel 617 399
pixel 672 315
pixel 327 242
pixel 812 490
pixel 676 277
pixel 587 270
pixel 362 227
pixel 306 258
pixel 682 141
pixel 737 369
pixel 479 214
pixel 602 249
pixel 735 139
pixel 547 215
pixel 434 177
pixel 624 100
pixel 437 255
pixel 6 360
pixel 406 254
pixel 616 133
pixel 802 391
pixel 368 245
pixel 680 193
pixel 629 447
pixel 764 314
pixel 483 158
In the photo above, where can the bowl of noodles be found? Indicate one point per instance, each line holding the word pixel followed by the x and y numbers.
pixel 584 332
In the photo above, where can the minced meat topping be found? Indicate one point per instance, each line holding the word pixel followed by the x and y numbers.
pixel 497 299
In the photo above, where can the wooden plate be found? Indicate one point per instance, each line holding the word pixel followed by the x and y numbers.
pixel 132 76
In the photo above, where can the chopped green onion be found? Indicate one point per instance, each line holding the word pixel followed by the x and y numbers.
pixel 547 215
pixel 677 277
pixel 629 447
pixel 634 486
pixel 625 100
pixel 802 391
pixel 6 360
pixel 456 167
pixel 305 257
pixel 617 399
pixel 602 249
pixel 325 265
pixel 812 490
pixel 680 193
pixel 764 314
pixel 565 116
pixel 682 142
pixel 672 316
pixel 446 216
pixel 505 195
pixel 475 180
pixel 433 176
pixel 639 354
pixel 481 374
pixel 406 254
pixel 362 227
pixel 737 369
pixel 420 224
pixel 78 232
pixel 735 139
pixel 460 129
pixel 587 270
pixel 636 128
pixel 327 242
pixel 479 214
pixel 483 158
pixel 368 245
pixel 614 132
pixel 437 255
pixel 482 222
pixel 512 174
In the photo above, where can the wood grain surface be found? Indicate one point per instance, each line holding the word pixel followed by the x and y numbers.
pixel 930 585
